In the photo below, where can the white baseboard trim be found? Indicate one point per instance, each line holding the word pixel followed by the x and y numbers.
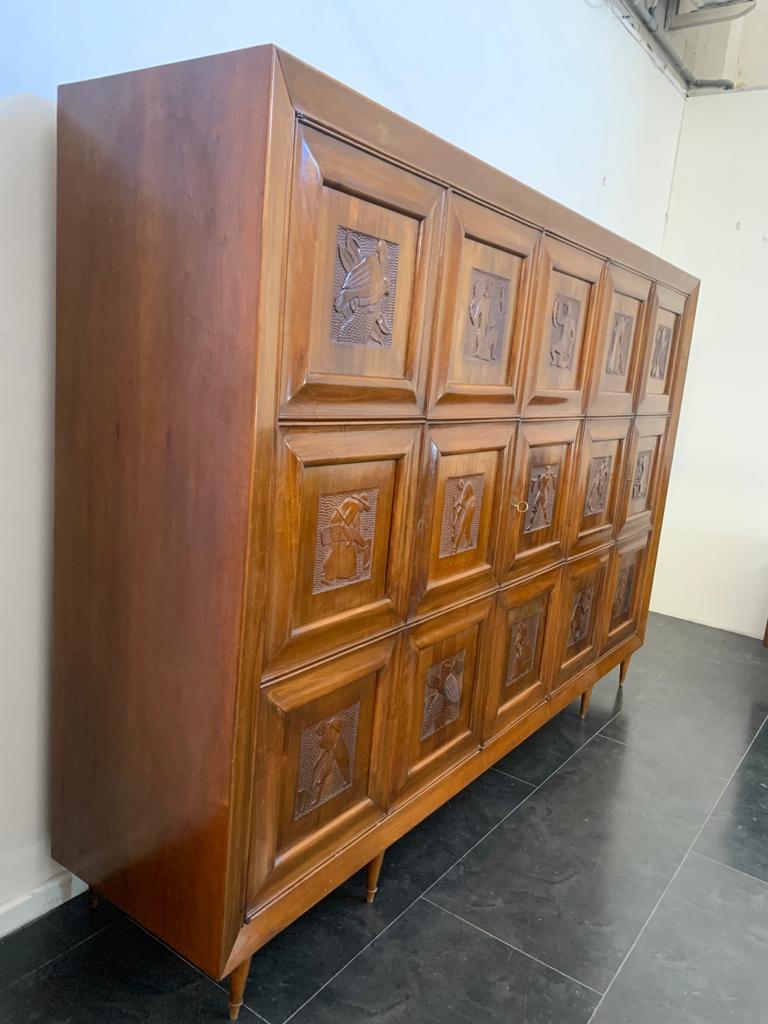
pixel 20 910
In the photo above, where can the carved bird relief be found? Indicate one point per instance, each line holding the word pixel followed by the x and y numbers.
pixel 364 286
pixel 442 698
pixel 345 540
pixel 565 321
pixel 333 754
pixel 463 513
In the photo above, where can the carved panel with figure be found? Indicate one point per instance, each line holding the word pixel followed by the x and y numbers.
pixel 341 567
pixel 327 726
pixel 534 521
pixel 665 323
pixel 484 303
pixel 580 614
pixel 566 313
pixel 464 474
pixel 619 346
pixel 624 590
pixel 643 474
pixel 524 627
pixel 441 690
pixel 599 483
pixel 361 283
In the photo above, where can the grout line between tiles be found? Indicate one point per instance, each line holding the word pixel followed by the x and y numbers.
pixel 677 872
pixel 59 955
pixel 509 945
pixel 500 771
pixel 722 864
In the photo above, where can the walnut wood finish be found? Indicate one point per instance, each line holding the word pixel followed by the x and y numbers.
pixel 361 460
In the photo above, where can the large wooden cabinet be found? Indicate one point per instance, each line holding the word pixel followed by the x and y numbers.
pixel 361 456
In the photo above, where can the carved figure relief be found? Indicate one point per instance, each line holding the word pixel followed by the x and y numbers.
pixel 597 485
pixel 565 327
pixel 581 612
pixel 641 475
pixel 486 317
pixel 344 538
pixel 365 277
pixel 522 648
pixel 326 759
pixel 541 497
pixel 618 349
pixel 623 597
pixel 661 352
pixel 462 503
pixel 442 694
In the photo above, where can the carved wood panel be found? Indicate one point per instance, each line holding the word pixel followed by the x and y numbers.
pixel 524 629
pixel 566 313
pixel 599 483
pixel 533 522
pixel 580 614
pixel 341 565
pixel 624 591
pixel 665 322
pixel 360 288
pixel 483 309
pixel 464 468
pixel 440 712
pixel 642 477
pixel 619 349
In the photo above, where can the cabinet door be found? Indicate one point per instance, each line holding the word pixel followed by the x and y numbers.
pixel 579 615
pixel 533 520
pixel 360 284
pixel 619 350
pixel 524 628
pixel 566 307
pixel 599 483
pixel 662 346
pixel 484 305
pixel 340 569
pixel 440 705
pixel 322 770
pixel 464 467
pixel 637 506
pixel 625 591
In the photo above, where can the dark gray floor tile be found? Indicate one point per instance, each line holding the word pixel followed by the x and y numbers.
pixel 430 968
pixel 572 875
pixel 700 712
pixel 702 959
pixel 696 640
pixel 119 976
pixel 737 832
pixel 300 959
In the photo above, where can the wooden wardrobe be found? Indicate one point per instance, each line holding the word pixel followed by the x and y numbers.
pixel 362 449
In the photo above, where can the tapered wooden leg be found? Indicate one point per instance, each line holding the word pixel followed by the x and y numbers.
pixel 374 870
pixel 93 899
pixel 237 980
pixel 623 669
pixel 585 702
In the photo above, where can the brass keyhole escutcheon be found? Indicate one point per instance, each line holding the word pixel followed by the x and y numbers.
pixel 520 506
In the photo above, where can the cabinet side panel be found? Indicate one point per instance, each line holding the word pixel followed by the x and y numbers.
pixel 160 186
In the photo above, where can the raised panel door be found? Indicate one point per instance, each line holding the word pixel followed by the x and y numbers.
pixel 642 476
pixel 464 468
pixel 619 348
pixel 662 347
pixel 533 521
pixel 440 695
pixel 565 321
pixel 340 569
pixel 625 590
pixel 324 745
pixel 524 628
pixel 485 302
pixel 360 288
pixel 579 615
pixel 599 483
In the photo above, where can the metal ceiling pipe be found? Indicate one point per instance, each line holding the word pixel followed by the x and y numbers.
pixel 648 19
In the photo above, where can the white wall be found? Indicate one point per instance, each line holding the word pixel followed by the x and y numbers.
pixel 713 559
pixel 555 92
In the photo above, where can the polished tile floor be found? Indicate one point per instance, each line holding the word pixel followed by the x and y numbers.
pixel 613 870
